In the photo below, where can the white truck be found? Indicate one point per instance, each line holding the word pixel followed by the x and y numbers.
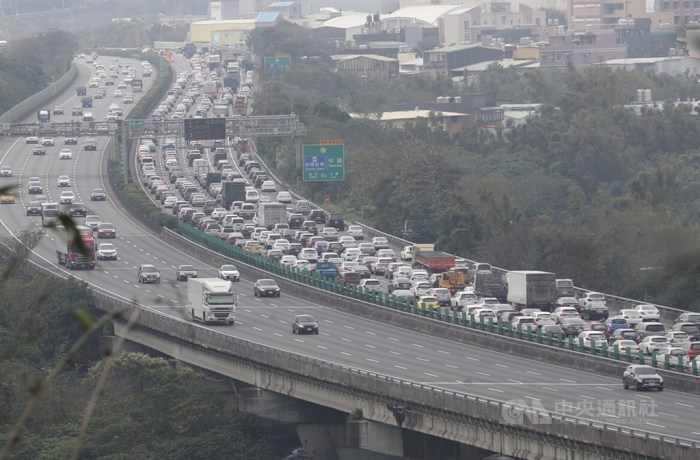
pixel 211 300
pixel 531 289
pixel 271 213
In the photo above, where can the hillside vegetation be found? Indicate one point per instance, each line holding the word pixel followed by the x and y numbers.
pixel 586 188
pixel 147 410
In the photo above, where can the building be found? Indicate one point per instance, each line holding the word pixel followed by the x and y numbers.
pixel 288 10
pixel 584 14
pixel 235 30
pixel 452 60
pixel 582 49
pixel 452 122
pixel 268 19
pixel 369 66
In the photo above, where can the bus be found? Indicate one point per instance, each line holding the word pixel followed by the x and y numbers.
pixel 137 85
pixel 233 67
pixel 210 89
pixel 44 116
pixel 49 214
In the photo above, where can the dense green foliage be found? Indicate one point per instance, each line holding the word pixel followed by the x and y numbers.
pixel 586 188
pixel 31 64
pixel 148 409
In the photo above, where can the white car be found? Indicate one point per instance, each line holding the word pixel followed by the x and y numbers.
pixel 106 251
pixel 653 344
pixel 47 141
pixel 288 260
pixel 169 201
pixel 565 312
pixel 589 337
pixel 543 318
pixel 66 197
pixel 268 186
pixel 93 221
pixel 356 231
pixel 677 338
pixel 252 196
pixel 65 154
pixel 631 316
pixel 371 284
pixel 229 272
pixel 347 242
pixel 284 197
pixel 407 253
pixel 421 288
pixel 6 171
pixel 463 299
pixel 63 181
pixel 648 313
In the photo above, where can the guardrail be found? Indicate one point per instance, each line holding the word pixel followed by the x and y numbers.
pixel 38 100
pixel 440 322
pixel 415 399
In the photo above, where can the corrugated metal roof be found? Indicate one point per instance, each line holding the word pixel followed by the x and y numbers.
pixel 376 57
pixel 406 115
pixel 267 17
pixel 346 21
pixel 427 13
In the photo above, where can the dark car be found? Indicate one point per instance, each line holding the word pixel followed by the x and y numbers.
pixel 399 283
pixel 336 221
pixel 39 150
pixel 77 210
pixel 185 271
pixel 34 208
pixel 106 230
pixel 266 287
pixel 642 377
pixel 90 145
pixel 594 311
pixel 572 326
pixel 318 216
pixel 304 324
pixel 148 274
pixel 622 334
pixel 295 220
pixel 309 226
pixel 98 195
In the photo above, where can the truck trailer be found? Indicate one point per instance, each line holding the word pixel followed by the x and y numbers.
pixel 80 250
pixel 211 300
pixel 531 289
pixel 271 213
pixel 425 256
pixel 491 285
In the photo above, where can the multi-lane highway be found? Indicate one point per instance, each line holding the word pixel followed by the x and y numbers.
pixel 345 339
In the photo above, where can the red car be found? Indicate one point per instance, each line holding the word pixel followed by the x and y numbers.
pixel 105 230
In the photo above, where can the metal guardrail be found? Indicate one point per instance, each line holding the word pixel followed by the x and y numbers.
pixel 414 398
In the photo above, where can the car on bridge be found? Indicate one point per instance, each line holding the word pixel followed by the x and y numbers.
pixel 34 208
pixel 642 377
pixel 266 287
pixel 70 141
pixel 229 272
pixel 38 150
pixel 6 171
pixel 148 274
pixel 90 145
pixel 66 197
pixel 32 140
pixel 65 154
pixel 58 110
pixel 304 324
pixel 106 230
pixel 93 221
pixel 63 181
pixel 48 141
pixel 77 209
pixel 98 195
pixel 106 251
pixel 185 271
pixel 7 198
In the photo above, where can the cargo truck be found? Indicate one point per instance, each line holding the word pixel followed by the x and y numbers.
pixel 452 279
pixel 425 256
pixel 80 250
pixel 43 115
pixel 86 101
pixel 80 91
pixel 211 300
pixel 231 81
pixel 271 213
pixel 220 109
pixel 232 191
pixel 531 289
pixel 491 285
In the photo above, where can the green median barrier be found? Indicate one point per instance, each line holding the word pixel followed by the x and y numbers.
pixel 680 365
pixel 694 366
pixel 463 320
pixel 616 352
pixel 509 330
pixel 560 341
pixel 641 357
pixel 550 339
pixel 519 330
pixel 654 362
pixel 594 349
pixel 490 324
pixel 604 349
pixel 481 322
pixel 529 334
pixel 457 315
pixel 380 298
pixel 500 327
pixel 538 336
pixel 472 321
pixel 581 348
pixel 667 362
pixel 571 342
